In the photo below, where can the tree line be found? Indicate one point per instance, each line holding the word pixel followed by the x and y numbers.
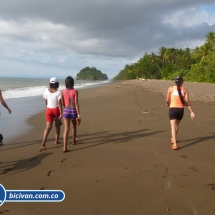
pixel 193 65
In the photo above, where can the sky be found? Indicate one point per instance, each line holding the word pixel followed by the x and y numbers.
pixel 45 38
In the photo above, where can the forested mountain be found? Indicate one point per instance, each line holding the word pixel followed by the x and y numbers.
pixel 193 65
pixel 91 74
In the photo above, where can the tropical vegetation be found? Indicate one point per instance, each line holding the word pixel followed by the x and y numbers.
pixel 194 65
pixel 92 73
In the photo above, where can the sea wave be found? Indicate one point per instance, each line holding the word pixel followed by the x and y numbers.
pixel 39 90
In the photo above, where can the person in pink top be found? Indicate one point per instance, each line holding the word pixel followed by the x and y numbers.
pixel 177 97
pixel 71 111
pixel 53 111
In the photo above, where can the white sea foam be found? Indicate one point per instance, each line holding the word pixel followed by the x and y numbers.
pixel 39 90
pixel 24 97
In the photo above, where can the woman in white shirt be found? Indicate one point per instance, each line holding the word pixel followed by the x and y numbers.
pixel 53 110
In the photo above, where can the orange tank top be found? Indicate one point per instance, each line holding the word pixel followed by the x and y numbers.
pixel 175 99
pixel 69 96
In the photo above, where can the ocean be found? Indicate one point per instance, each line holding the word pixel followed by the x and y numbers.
pixel 27 87
pixel 24 98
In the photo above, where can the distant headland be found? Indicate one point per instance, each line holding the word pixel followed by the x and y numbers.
pixel 91 74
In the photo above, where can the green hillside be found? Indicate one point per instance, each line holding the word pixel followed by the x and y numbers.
pixel 91 74
pixel 193 65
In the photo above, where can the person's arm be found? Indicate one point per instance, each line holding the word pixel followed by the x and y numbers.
pixel 46 102
pixel 192 115
pixel 168 97
pixel 77 105
pixel 59 102
pixel 45 97
pixel 4 103
pixel 60 108
pixel 63 99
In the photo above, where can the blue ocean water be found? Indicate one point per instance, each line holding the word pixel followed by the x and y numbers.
pixel 24 97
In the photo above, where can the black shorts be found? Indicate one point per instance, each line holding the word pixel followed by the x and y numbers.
pixel 176 113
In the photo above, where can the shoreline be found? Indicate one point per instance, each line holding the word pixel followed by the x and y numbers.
pixel 23 108
pixel 154 86
pixel 14 124
pixel 151 86
pixel 123 163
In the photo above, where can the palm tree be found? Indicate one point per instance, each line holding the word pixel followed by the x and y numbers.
pixel 173 52
pixel 162 51
pixel 196 53
pixel 187 53
pixel 188 56
pixel 167 56
pixel 205 49
pixel 154 61
pixel 210 39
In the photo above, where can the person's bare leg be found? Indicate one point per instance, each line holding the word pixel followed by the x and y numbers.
pixel 57 134
pixel 45 134
pixel 176 129
pixel 65 134
pixel 173 132
pixel 74 139
pixel 177 126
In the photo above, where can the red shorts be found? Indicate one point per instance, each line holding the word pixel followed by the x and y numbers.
pixel 52 113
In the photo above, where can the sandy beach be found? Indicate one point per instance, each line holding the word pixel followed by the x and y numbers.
pixel 123 163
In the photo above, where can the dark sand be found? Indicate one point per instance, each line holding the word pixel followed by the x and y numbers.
pixel 123 164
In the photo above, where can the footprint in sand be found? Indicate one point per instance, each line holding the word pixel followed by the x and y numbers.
pixel 50 173
pixel 34 158
pixel 184 156
pixel 63 160
pixel 212 186
pixel 6 170
pixel 4 211
pixel 166 172
pixel 194 168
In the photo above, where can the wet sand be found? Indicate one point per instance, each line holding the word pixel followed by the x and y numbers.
pixel 123 163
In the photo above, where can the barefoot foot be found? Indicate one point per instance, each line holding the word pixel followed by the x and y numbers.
pixel 66 150
pixel 75 142
pixel 42 148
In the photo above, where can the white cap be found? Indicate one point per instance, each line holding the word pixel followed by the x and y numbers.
pixel 53 80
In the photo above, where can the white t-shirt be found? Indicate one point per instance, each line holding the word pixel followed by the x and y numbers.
pixel 52 98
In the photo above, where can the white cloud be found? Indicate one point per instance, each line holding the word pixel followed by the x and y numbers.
pixel 68 35
pixel 191 17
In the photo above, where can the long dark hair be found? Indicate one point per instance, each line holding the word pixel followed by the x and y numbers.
pixel 69 82
pixel 179 82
